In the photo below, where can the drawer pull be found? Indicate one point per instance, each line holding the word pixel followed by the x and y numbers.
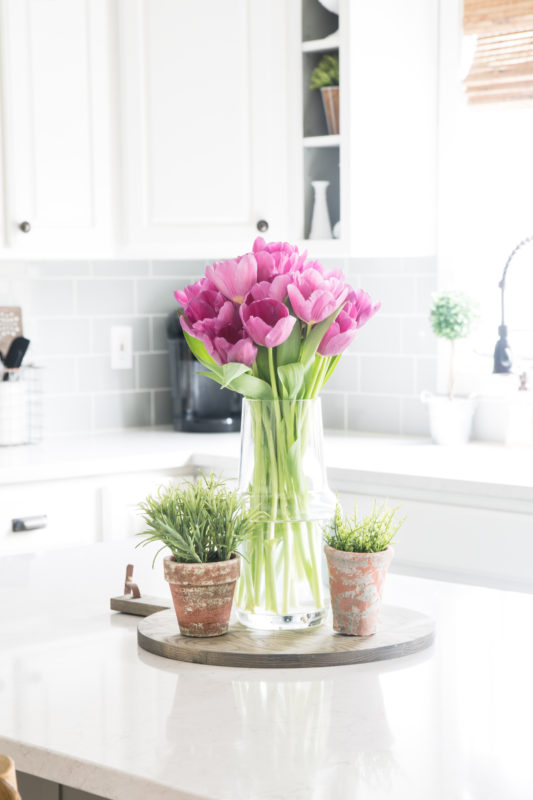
pixel 28 523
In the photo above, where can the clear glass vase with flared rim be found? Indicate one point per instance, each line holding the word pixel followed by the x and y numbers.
pixel 283 474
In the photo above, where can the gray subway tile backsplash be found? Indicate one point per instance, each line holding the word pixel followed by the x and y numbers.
pixel 123 410
pixel 96 375
pixel 60 336
pixel 387 374
pixel 98 297
pixel 162 408
pixel 153 371
pixel 158 335
pixel 48 298
pixel 156 296
pixel 69 308
pixel 120 269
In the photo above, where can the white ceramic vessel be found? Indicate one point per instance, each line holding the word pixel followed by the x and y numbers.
pixel 320 222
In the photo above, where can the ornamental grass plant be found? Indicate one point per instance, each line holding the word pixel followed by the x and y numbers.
pixel 370 534
pixel 198 521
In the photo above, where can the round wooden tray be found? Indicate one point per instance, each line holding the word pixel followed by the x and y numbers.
pixel 400 633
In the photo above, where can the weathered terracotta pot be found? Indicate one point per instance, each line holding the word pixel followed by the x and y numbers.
pixel 202 594
pixel 356 583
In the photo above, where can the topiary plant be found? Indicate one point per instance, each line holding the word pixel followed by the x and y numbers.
pixel 326 73
pixel 452 316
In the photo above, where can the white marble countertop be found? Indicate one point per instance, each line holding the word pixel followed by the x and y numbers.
pixel 413 462
pixel 80 704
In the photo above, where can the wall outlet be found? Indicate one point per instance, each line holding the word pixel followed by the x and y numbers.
pixel 121 347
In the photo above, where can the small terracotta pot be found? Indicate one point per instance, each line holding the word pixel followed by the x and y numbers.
pixel 330 101
pixel 202 594
pixel 356 583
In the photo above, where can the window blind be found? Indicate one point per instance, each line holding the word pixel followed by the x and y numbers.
pixel 502 69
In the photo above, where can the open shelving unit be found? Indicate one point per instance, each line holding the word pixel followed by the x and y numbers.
pixel 321 151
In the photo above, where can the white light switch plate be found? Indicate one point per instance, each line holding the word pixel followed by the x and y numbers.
pixel 121 347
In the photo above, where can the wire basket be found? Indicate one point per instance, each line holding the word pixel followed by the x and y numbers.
pixel 21 415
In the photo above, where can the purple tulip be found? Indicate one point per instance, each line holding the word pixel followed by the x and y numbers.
pixel 267 321
pixel 356 312
pixel 315 296
pixel 234 278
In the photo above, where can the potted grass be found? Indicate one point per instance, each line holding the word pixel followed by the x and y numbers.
pixel 325 77
pixel 452 316
pixel 203 524
pixel 358 553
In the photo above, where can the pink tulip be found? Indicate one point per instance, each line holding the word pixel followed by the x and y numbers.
pixel 314 297
pixel 352 317
pixel 275 288
pixel 189 292
pixel 276 258
pixel 220 329
pixel 267 321
pixel 234 278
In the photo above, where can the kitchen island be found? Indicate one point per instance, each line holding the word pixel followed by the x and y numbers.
pixel 82 706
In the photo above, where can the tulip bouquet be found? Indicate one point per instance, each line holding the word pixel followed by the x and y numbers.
pixel 272 325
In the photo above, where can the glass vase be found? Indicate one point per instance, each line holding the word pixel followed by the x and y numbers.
pixel 283 474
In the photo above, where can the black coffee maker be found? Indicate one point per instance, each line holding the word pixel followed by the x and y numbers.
pixel 198 404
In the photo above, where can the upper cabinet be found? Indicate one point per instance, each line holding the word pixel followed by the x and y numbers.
pixel 56 127
pixel 175 129
pixel 203 130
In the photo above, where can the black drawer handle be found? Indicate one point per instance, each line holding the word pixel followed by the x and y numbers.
pixel 28 523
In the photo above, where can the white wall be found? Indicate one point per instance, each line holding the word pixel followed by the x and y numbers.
pixel 485 204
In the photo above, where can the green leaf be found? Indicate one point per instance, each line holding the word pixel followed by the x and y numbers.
pixel 291 377
pixel 212 376
pixel 261 362
pixel 198 349
pixel 289 350
pixel 231 371
pixel 251 387
pixel 316 336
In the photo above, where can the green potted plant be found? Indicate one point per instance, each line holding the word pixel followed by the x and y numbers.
pixel 202 523
pixel 452 316
pixel 325 77
pixel 358 552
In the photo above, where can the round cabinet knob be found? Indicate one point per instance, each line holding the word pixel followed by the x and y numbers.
pixel 25 227
pixel 262 226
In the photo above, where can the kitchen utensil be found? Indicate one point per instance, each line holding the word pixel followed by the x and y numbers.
pixel 10 327
pixel 16 354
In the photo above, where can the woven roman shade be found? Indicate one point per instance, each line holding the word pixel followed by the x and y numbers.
pixel 502 70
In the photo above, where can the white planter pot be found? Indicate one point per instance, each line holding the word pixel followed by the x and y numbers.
pixel 450 421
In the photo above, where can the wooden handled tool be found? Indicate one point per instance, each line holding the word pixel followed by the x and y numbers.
pixel 8 780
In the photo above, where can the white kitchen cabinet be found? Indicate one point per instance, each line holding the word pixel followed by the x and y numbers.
pixel 77 511
pixel 56 124
pixel 202 88
pixel 382 168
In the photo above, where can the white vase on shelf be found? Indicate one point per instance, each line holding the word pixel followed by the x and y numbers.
pixel 320 222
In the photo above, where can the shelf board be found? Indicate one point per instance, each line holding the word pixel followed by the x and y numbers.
pixel 333 140
pixel 330 42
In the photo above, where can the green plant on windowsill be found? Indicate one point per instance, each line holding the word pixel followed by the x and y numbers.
pixel 452 316
pixel 326 73
pixel 370 534
pixel 198 521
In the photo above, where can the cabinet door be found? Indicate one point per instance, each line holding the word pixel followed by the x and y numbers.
pixel 203 123
pixel 56 115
